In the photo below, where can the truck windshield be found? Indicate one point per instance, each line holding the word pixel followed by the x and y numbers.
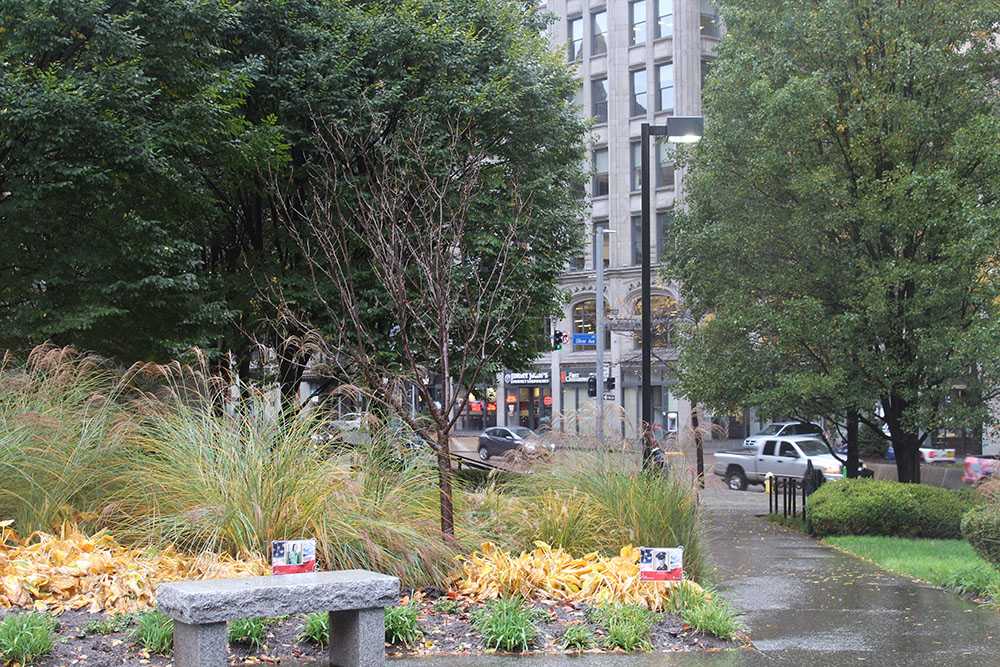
pixel 812 447
pixel 770 429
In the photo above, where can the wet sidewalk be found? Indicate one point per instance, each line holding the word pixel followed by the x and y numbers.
pixel 806 604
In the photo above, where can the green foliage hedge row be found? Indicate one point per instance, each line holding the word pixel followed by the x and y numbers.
pixel 981 527
pixel 878 507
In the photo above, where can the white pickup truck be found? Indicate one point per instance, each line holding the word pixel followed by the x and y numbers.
pixel 783 456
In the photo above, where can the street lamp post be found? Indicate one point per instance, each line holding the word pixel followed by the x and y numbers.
pixel 599 235
pixel 679 130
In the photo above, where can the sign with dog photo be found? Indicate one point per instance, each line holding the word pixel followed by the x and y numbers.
pixel 659 564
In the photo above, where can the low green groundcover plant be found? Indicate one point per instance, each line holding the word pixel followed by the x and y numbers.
pixel 401 625
pixel 109 624
pixel 628 626
pixel 446 606
pixel 154 631
pixel 951 564
pixel 577 638
pixel 316 629
pixel 248 631
pixel 981 527
pixel 506 625
pixel 879 507
pixel 26 637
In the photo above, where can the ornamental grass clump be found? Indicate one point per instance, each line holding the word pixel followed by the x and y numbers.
pixel 232 483
pixel 627 626
pixel 154 632
pixel 401 625
pixel 506 625
pixel 59 438
pixel 595 503
pixel 250 632
pixel 316 629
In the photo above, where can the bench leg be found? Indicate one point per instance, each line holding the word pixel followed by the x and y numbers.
pixel 357 638
pixel 200 645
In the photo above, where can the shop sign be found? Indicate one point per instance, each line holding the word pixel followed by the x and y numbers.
pixel 534 377
pixel 571 376
pixel 659 564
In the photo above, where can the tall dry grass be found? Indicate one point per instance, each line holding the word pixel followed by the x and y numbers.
pixel 59 414
pixel 602 501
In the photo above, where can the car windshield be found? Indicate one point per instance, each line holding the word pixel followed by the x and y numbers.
pixel 523 433
pixel 812 447
pixel 771 429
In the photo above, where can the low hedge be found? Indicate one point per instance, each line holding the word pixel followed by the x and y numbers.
pixel 981 527
pixel 879 507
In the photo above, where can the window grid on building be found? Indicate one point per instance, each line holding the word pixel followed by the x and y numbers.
pixel 637 22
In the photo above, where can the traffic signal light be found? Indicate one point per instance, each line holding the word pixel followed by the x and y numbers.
pixel 592 386
pixel 609 383
pixel 557 340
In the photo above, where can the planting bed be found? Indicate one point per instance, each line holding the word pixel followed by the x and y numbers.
pixel 450 632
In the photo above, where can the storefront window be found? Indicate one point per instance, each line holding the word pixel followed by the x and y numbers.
pixel 665 308
pixel 585 322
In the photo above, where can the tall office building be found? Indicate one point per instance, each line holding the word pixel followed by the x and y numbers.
pixel 636 61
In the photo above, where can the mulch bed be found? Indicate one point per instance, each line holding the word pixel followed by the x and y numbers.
pixel 443 634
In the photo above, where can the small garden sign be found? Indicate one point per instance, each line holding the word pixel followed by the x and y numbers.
pixel 293 556
pixel 659 564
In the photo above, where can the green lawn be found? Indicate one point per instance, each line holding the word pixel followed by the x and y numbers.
pixel 951 564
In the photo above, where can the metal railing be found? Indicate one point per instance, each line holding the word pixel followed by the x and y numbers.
pixel 786 495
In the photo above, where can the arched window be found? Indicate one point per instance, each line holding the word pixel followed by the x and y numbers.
pixel 585 322
pixel 665 309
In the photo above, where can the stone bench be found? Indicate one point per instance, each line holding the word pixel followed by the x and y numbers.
pixel 355 600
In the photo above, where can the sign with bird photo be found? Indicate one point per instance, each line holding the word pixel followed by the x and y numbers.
pixel 293 556
pixel 656 564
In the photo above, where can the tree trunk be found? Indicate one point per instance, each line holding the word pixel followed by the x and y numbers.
pixel 906 446
pixel 444 485
pixel 853 460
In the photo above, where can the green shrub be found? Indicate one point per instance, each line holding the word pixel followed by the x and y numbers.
pixel 506 625
pixel 627 626
pixel 401 625
pixel 154 631
pixel 981 527
pixel 248 631
pixel 877 507
pixel 577 638
pixel 593 503
pixel 26 637
pixel 316 629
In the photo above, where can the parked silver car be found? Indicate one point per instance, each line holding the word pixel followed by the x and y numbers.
pixel 782 456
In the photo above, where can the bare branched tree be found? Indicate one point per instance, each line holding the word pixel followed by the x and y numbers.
pixel 414 259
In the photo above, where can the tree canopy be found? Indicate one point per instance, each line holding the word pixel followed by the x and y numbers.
pixel 840 241
pixel 141 143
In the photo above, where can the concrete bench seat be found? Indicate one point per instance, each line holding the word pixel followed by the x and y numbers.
pixel 355 600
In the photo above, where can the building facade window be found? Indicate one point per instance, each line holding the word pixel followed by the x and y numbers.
pixel 664 18
pixel 665 87
pixel 664 220
pixel 635 165
pixel 637 21
pixel 637 86
pixel 599 33
pixel 599 186
pixel 574 38
pixel 599 99
pixel 664 165
pixel 664 308
pixel 710 19
pixel 604 241
pixel 636 239
pixel 585 322
pixel 577 263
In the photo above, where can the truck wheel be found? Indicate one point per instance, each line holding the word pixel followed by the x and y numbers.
pixel 735 479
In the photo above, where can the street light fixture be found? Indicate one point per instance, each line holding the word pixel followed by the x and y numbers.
pixel 681 130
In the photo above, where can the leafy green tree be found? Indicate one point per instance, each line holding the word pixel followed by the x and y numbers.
pixel 840 244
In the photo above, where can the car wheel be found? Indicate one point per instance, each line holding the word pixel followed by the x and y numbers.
pixel 484 454
pixel 736 480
